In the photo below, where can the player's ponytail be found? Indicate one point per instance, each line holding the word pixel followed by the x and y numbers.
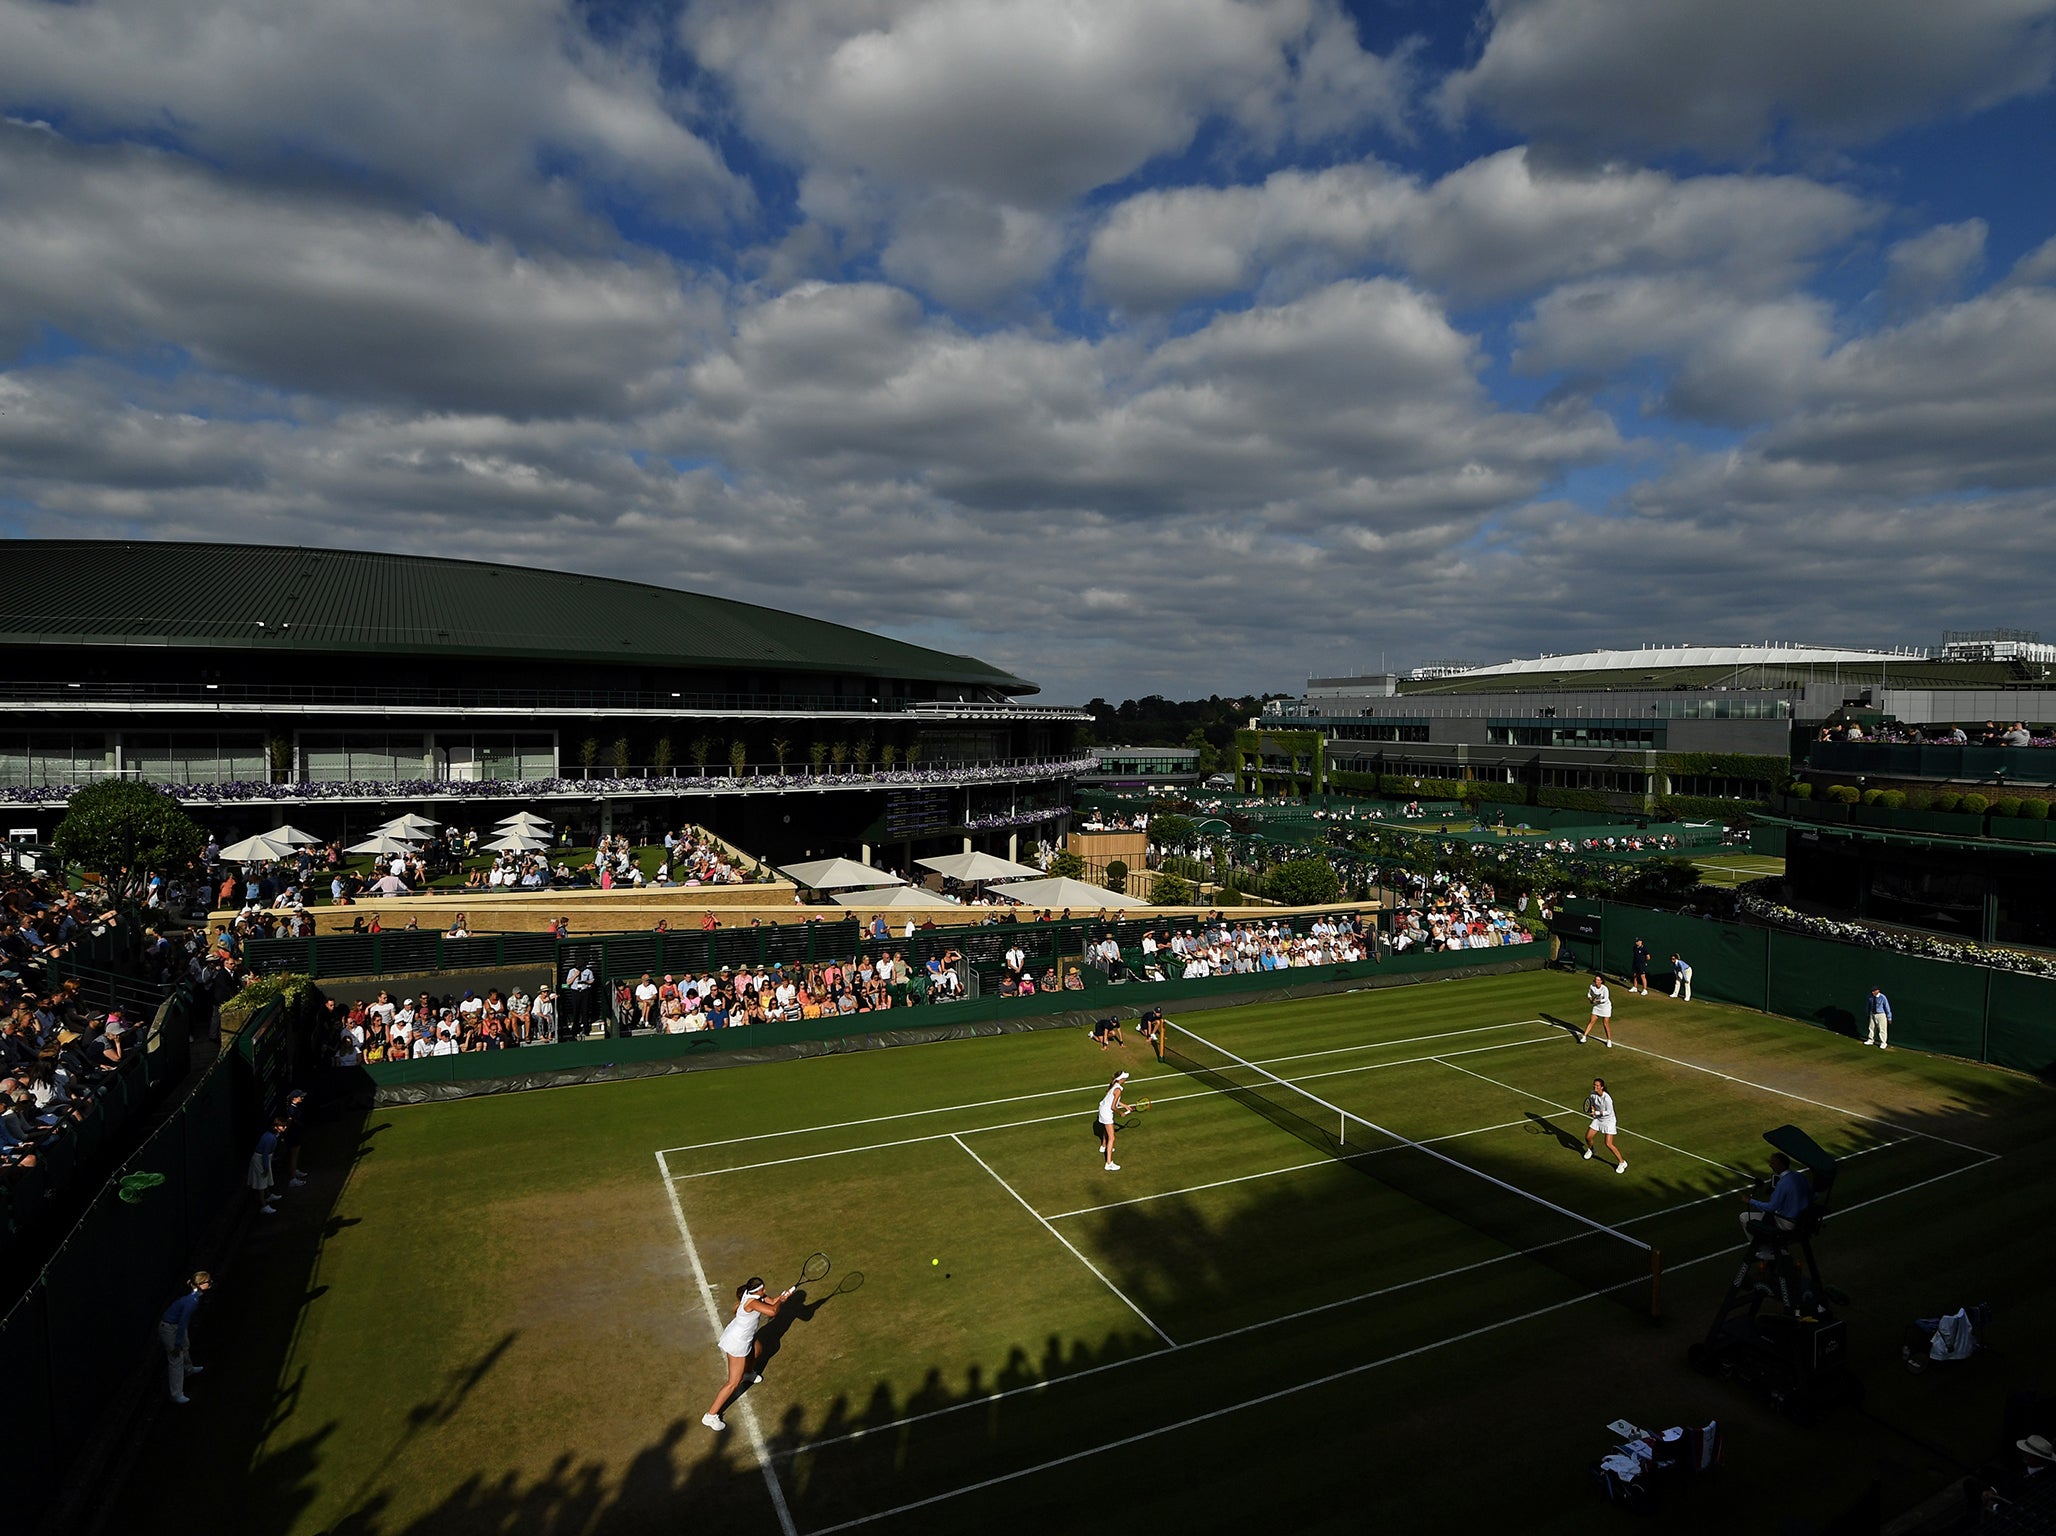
pixel 753 1286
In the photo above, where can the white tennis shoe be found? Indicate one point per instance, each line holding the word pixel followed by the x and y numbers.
pixel 1623 1167
pixel 1588 1154
pixel 1113 1167
pixel 711 1422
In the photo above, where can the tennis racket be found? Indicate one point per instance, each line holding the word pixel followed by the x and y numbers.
pixel 816 1268
pixel 1137 1107
pixel 1591 1103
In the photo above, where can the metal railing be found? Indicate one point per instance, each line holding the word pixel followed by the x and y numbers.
pixel 568 700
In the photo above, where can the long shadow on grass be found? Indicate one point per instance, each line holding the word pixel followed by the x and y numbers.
pixel 1382 1261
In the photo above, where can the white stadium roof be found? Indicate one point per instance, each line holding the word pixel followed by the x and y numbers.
pixel 1657 656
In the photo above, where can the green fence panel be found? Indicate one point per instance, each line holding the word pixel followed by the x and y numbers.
pixel 1935 1006
pixel 1728 961
pixel 2021 1029
pixel 39 1444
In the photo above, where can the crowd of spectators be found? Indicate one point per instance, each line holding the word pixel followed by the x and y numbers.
pixel 1221 948
pixel 1993 733
pixel 1437 913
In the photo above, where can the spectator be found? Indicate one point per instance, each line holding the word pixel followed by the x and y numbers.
pixel 175 1333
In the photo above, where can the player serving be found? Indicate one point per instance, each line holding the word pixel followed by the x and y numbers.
pixel 1599 1105
pixel 1103 1123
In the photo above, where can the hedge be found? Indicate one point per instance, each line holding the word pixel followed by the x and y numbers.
pixel 1575 800
pixel 1704 808
pixel 1726 765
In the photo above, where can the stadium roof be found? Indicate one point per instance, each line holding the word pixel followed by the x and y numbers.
pixel 1791 672
pixel 1647 657
pixel 278 598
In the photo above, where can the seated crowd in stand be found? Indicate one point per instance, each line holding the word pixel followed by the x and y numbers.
pixel 1219 948
pixel 57 1053
pixel 1993 733
pixel 1439 913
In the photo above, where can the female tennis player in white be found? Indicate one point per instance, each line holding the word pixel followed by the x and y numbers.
pixel 1110 1105
pixel 1601 1001
pixel 1599 1105
pixel 740 1345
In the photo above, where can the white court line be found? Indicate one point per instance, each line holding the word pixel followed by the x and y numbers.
pixel 750 1426
pixel 1053 1232
pixel 1330 1379
pixel 1010 1125
pixel 1566 1109
pixel 1324 1162
pixel 1314 1311
pixel 1051 1093
pixel 1857 1114
pixel 1344 1050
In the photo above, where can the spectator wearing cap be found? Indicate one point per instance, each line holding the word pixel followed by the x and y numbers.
pixel 175 1333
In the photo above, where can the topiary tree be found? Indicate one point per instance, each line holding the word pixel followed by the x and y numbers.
pixel 1308 882
pixel 1893 799
pixel 1946 803
pixel 1873 796
pixel 125 832
pixel 1171 891
pixel 1117 876
pixel 2035 810
pixel 1975 805
pixel 2006 805
pixel 1843 794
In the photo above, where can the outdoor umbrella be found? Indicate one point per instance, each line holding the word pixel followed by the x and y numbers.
pixel 971 867
pixel 410 825
pixel 898 896
pixel 1064 892
pixel 382 843
pixel 293 835
pixel 517 842
pixel 265 847
pixel 527 820
pixel 837 875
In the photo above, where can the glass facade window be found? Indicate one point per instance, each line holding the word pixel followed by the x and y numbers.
pixel 1575 733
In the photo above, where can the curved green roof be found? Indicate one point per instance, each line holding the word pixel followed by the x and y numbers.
pixel 268 597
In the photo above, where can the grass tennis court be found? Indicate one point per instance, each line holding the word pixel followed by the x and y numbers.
pixel 494 1319
pixel 1737 868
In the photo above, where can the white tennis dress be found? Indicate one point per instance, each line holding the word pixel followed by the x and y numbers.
pixel 740 1334
pixel 1601 1105
pixel 1602 1000
pixel 1106 1105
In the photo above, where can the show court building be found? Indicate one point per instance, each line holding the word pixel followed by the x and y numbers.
pixel 335 688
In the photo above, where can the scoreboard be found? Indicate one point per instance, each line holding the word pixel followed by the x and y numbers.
pixel 917 812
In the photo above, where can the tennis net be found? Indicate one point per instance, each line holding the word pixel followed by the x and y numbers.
pixel 1600 1258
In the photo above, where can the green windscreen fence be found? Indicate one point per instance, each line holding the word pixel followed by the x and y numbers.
pixel 2007 1018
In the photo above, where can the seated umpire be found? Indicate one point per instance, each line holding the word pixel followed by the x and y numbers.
pixel 1791 1196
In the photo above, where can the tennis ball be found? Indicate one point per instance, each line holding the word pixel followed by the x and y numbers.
pixel 936 1262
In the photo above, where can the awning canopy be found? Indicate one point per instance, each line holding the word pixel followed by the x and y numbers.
pixel 973 867
pixel 1063 891
pixel 898 896
pixel 837 875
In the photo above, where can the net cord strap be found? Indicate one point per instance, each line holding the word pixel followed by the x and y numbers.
pixel 1347 1117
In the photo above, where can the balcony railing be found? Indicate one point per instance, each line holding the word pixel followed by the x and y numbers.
pixel 596 782
pixel 380 696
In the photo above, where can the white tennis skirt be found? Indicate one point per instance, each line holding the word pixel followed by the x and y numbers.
pixel 1605 1125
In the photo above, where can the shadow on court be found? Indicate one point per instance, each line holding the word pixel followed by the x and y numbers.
pixel 1539 1125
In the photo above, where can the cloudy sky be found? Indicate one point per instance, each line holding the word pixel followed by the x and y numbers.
pixel 1136 345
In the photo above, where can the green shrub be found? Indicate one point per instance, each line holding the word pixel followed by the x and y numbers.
pixel 1975 805
pixel 2006 805
pixel 1946 803
pixel 1170 891
pixel 1802 791
pixel 1892 799
pixel 1843 794
pixel 2035 810
pixel 1919 800
pixel 1303 883
pixel 1873 796
pixel 1116 877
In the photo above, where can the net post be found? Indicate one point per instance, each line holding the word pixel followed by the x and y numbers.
pixel 1655 1284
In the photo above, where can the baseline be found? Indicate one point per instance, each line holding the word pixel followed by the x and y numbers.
pixel 751 1427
